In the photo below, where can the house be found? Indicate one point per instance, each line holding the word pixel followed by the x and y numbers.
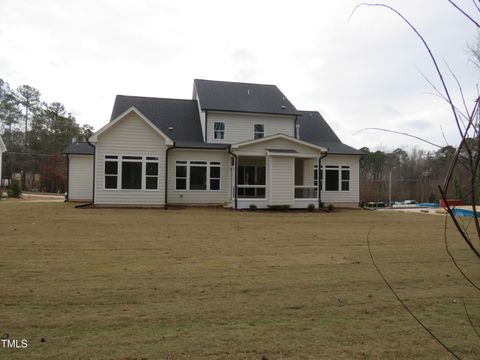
pixel 233 144
pixel 3 149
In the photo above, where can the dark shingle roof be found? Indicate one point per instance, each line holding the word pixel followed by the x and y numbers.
pixel 79 148
pixel 181 115
pixel 243 97
pixel 314 129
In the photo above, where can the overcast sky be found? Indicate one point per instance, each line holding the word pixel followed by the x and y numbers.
pixel 359 73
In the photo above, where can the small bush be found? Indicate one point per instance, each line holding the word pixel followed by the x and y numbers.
pixel 253 207
pixel 311 207
pixel 331 207
pixel 322 204
pixel 14 190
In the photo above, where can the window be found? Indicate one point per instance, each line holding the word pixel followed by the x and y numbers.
pixel 214 176
pixel 181 175
pixel 345 178
pixel 258 131
pixel 251 182
pixel 198 175
pixel 131 172
pixel 219 130
pixel 331 178
pixel 337 178
pixel 111 172
pixel 151 173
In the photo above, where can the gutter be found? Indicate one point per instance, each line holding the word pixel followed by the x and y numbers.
pixel 318 179
pixel 166 174
pixel 236 177
pixel 93 183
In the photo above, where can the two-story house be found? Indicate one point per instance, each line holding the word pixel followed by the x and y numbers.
pixel 233 144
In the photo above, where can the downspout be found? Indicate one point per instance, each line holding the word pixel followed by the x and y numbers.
pixel 295 130
pixel 318 179
pixel 68 175
pixel 236 177
pixel 93 186
pixel 166 174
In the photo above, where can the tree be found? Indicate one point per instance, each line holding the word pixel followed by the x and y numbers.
pixel 29 99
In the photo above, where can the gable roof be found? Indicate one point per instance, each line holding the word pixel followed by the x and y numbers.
pixel 314 129
pixel 94 137
pixel 277 136
pixel 243 97
pixel 180 115
pixel 79 148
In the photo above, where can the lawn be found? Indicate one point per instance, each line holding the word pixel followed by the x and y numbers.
pixel 221 284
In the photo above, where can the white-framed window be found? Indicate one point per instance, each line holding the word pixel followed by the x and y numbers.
pixel 219 130
pixel 258 131
pixel 197 175
pixel 181 175
pixel 337 178
pixel 215 170
pixel 111 172
pixel 131 172
pixel 151 173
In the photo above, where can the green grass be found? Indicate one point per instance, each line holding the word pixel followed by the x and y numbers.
pixel 221 284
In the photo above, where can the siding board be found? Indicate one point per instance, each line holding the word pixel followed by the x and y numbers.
pixel 80 177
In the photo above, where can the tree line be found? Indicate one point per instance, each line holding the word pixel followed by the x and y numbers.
pixel 35 133
pixel 414 175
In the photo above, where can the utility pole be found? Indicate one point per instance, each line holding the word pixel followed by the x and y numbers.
pixel 390 189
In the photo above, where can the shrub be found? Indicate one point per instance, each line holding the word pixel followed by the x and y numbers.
pixel 331 207
pixel 311 207
pixel 322 204
pixel 14 190
pixel 253 207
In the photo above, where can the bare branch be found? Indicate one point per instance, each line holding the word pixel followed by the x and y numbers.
pixel 464 13
pixel 402 133
pixel 402 302
pixel 470 319
pixel 453 258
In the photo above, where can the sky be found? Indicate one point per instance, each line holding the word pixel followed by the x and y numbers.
pixel 360 73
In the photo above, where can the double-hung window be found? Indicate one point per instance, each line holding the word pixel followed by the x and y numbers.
pixel 197 175
pixel 151 173
pixel 219 130
pixel 345 178
pixel 258 131
pixel 111 172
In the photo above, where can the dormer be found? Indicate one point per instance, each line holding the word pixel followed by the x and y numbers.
pixel 232 112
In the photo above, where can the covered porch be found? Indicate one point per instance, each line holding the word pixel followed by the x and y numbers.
pixel 279 173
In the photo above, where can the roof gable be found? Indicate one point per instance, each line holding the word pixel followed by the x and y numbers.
pixel 94 137
pixel 279 136
pixel 243 97
pixel 177 118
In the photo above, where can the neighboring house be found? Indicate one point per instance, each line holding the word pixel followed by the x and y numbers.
pixel 233 144
pixel 3 149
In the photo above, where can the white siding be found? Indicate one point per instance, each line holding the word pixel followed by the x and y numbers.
pixel 80 177
pixel 347 198
pixel 239 127
pixel 282 177
pixel 199 196
pixel 130 136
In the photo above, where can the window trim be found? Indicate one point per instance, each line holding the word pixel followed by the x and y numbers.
pixel 198 163
pixel 220 131
pixel 339 168
pixel 120 158
pixel 255 132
